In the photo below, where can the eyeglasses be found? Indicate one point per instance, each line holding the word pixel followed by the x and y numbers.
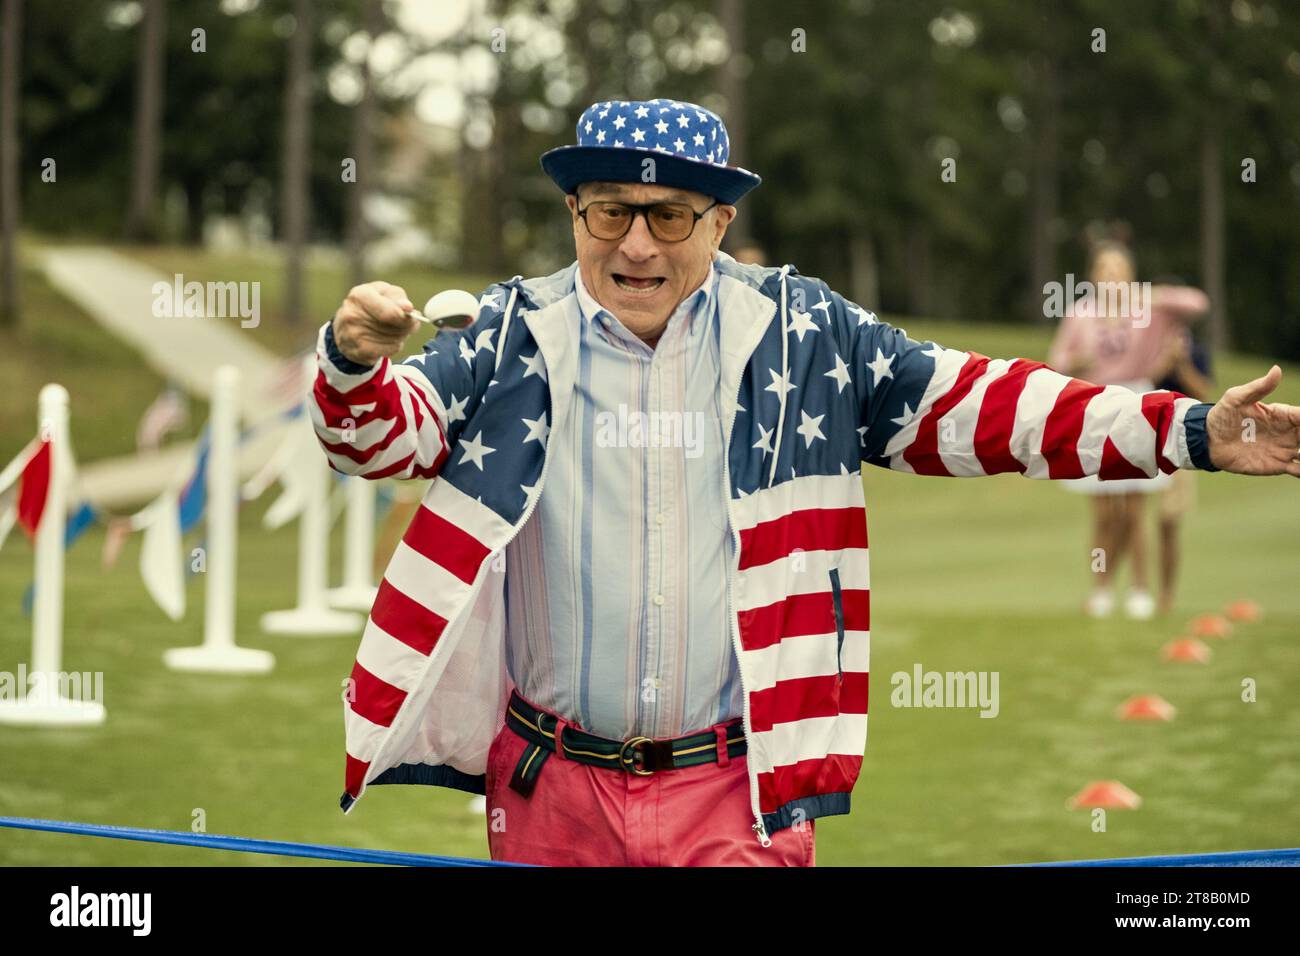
pixel 668 221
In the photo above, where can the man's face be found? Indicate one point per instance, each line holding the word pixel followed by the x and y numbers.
pixel 639 278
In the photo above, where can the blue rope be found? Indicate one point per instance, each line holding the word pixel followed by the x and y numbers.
pixel 316 851
pixel 1290 857
pixel 313 851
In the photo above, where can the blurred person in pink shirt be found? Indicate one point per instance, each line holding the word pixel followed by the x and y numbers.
pixel 1122 339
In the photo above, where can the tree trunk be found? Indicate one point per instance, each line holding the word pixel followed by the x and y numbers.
pixel 10 72
pixel 595 58
pixel 297 135
pixel 363 150
pixel 194 211
pixel 1045 200
pixel 1212 240
pixel 731 83
pixel 919 284
pixel 864 271
pixel 142 209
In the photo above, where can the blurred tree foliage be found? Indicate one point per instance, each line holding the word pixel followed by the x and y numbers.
pixel 850 110
pixel 222 113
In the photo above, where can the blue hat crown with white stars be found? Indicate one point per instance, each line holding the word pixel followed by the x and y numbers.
pixel 689 146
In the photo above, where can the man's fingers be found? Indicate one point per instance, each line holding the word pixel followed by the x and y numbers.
pixel 391 328
pixel 1252 392
pixel 394 292
pixel 1288 413
pixel 383 311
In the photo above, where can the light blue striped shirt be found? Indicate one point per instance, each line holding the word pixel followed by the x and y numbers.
pixel 616 588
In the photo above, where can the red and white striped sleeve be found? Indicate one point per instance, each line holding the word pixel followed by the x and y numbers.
pixel 385 421
pixel 940 411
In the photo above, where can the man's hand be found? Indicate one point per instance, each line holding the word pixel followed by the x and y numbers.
pixel 1251 438
pixel 372 322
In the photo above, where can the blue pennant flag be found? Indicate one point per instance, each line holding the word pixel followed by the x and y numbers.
pixel 195 496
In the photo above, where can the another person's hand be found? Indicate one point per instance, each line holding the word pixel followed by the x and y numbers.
pixel 1251 438
pixel 372 322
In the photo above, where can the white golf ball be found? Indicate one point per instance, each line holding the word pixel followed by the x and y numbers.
pixel 451 302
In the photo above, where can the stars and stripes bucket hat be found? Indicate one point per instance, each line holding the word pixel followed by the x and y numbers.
pixel 689 146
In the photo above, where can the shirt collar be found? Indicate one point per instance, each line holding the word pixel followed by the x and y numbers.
pixel 693 303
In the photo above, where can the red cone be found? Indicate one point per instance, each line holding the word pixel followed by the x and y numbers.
pixel 1186 649
pixel 1146 707
pixel 1245 612
pixel 1211 625
pixel 1110 794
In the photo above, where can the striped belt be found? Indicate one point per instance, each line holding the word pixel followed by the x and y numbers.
pixel 639 755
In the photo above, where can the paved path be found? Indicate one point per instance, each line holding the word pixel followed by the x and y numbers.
pixel 118 293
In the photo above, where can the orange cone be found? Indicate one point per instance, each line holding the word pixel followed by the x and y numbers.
pixel 1211 625
pixel 1110 794
pixel 1186 649
pixel 1245 612
pixel 1146 707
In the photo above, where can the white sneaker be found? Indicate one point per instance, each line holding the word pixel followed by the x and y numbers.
pixel 1100 603
pixel 1140 605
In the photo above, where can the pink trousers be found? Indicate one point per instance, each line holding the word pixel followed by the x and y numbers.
pixel 579 815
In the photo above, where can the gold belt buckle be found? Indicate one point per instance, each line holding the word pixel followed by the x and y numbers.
pixel 631 764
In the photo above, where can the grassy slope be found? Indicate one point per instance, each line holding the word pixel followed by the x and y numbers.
pixel 968 575
pixel 326 287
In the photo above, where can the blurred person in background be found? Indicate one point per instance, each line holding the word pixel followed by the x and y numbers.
pixel 1185 366
pixel 1115 340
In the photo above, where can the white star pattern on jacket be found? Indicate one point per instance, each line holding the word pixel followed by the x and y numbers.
pixel 456 410
pixel 802 323
pixel 534 365
pixel 840 373
pixel 880 368
pixel 474 450
pixel 810 429
pixel 537 429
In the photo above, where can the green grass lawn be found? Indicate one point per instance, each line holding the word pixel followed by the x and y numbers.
pixel 984 575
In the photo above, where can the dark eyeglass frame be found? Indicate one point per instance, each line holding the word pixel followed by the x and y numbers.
pixel 644 210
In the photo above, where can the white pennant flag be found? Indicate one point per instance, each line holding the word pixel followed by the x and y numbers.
pixel 9 496
pixel 8 517
pixel 295 476
pixel 161 563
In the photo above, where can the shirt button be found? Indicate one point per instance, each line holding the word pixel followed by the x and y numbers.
pixel 659 599
pixel 660 519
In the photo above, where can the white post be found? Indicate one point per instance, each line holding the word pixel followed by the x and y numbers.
pixel 218 653
pixel 44 703
pixel 357 592
pixel 313 615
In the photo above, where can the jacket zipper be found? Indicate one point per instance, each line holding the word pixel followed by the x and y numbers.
pixel 760 830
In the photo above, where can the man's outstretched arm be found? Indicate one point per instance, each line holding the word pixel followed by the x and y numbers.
pixel 938 411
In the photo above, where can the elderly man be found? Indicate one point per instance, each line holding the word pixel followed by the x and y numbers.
pixel 633 607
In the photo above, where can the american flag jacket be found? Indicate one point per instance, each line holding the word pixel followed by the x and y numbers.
pixel 812 386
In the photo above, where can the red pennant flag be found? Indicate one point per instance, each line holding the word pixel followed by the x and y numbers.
pixel 33 489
